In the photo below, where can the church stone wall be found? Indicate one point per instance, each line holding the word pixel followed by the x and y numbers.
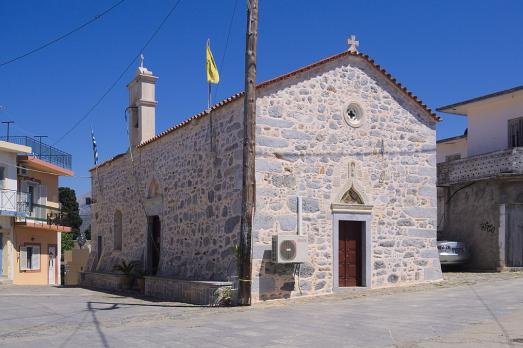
pixel 305 148
pixel 195 192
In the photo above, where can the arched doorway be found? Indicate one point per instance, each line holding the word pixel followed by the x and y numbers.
pixel 154 238
pixel 351 239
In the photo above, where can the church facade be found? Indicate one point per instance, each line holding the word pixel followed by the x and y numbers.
pixel 345 160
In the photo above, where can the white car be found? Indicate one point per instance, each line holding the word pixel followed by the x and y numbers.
pixel 452 253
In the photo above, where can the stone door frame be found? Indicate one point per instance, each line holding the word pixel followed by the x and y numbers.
pixel 364 216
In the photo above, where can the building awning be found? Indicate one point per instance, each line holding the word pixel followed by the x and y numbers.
pixel 44 226
pixel 35 163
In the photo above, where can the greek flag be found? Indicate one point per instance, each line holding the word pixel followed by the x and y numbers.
pixel 95 151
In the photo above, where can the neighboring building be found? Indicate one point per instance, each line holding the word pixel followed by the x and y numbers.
pixel 480 194
pixel 12 204
pixel 84 208
pixel 452 148
pixel 33 252
pixel 341 136
pixel 75 261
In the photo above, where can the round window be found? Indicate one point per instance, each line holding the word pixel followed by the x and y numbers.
pixel 353 115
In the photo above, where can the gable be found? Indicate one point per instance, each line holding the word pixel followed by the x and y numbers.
pixel 379 71
pixel 349 59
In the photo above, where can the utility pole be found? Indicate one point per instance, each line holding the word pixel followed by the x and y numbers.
pixel 249 131
pixel 8 123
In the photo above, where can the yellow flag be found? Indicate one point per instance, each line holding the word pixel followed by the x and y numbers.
pixel 212 71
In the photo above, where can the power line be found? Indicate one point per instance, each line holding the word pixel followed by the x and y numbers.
pixel 61 37
pixel 25 131
pixel 77 123
pixel 226 46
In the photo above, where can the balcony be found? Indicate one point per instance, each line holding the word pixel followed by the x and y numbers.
pixel 13 203
pixel 495 164
pixel 42 213
pixel 43 151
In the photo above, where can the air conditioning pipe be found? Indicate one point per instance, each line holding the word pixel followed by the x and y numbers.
pixel 299 203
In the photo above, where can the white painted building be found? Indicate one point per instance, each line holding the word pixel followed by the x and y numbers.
pixel 480 179
pixel 9 204
pixel 451 149
pixel 491 120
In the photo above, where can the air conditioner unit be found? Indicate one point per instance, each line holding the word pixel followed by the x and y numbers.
pixel 289 249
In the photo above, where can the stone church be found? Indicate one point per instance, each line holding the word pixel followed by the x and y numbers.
pixel 345 163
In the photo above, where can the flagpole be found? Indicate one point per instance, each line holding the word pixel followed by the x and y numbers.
pixel 209 97
pixel 210 115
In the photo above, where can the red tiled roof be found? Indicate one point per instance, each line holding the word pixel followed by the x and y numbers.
pixel 286 76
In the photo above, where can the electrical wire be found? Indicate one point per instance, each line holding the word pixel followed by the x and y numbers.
pixel 61 37
pixel 155 32
pixel 27 132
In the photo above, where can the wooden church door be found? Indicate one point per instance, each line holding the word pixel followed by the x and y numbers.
pixel 350 267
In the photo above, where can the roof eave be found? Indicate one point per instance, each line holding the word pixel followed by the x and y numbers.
pixel 455 109
pixel 461 108
pixel 458 137
pixel 236 96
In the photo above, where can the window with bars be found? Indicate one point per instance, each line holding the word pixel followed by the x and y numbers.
pixel 515 132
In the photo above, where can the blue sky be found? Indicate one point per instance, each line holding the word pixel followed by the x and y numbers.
pixel 444 51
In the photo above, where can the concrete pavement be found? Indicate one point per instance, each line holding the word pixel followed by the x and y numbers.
pixel 466 311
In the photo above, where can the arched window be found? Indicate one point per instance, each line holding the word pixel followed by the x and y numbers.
pixel 154 189
pixel 117 230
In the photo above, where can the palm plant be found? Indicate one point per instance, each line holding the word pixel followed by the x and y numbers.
pixel 125 268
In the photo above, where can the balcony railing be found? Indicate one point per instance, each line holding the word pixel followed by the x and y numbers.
pixel 506 162
pixel 42 151
pixel 42 213
pixel 13 203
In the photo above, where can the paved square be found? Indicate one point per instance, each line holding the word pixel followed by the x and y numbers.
pixel 468 310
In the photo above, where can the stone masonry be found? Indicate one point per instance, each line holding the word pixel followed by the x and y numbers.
pixel 195 192
pixel 191 177
pixel 305 147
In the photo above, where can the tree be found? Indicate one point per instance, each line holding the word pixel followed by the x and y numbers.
pixel 71 216
pixel 67 242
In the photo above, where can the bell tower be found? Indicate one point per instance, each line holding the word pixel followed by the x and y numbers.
pixel 142 106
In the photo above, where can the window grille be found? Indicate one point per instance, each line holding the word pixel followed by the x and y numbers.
pixel 515 132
